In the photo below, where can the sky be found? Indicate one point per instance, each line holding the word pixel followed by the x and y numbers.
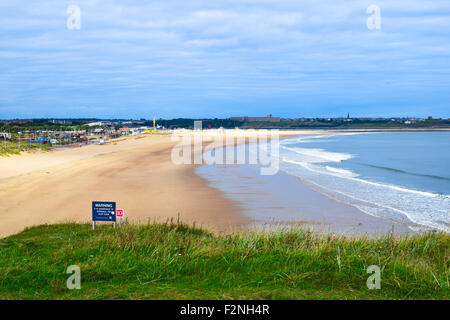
pixel 214 58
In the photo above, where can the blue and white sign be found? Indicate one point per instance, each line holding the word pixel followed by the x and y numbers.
pixel 104 211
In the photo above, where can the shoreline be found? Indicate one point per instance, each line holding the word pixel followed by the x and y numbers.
pixel 341 218
pixel 283 201
pixel 137 173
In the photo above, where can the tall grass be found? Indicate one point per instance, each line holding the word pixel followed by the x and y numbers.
pixel 158 261
pixel 14 147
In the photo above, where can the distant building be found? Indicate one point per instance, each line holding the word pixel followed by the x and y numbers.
pixel 94 124
pixel 100 124
pixel 124 130
pixel 66 122
pixel 269 118
pixel 348 119
pixel 5 135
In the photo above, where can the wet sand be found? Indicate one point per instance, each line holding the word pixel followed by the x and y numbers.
pixel 284 201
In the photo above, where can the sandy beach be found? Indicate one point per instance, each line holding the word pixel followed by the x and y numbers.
pixel 137 173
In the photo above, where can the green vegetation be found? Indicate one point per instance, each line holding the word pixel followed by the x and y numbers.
pixel 189 123
pixel 310 123
pixel 9 147
pixel 33 125
pixel 159 261
pixel 44 125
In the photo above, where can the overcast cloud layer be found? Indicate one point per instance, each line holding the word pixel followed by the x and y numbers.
pixel 133 59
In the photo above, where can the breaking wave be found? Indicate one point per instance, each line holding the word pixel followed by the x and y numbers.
pixel 315 167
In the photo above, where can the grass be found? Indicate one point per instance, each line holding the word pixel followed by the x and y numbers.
pixel 159 261
pixel 13 147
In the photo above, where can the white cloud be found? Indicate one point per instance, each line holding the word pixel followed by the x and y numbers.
pixel 219 46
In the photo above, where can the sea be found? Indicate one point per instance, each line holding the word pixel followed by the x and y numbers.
pixel 398 176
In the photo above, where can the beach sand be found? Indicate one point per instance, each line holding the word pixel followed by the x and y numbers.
pixel 138 174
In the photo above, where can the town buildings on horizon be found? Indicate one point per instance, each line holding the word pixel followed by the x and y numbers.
pixel 268 118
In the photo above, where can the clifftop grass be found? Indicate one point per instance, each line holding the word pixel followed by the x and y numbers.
pixel 13 147
pixel 178 262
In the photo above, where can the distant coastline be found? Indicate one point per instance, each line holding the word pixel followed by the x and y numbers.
pixel 268 122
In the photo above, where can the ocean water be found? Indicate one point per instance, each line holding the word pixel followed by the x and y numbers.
pixel 403 176
pixel 397 176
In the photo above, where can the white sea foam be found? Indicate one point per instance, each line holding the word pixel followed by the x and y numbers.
pixel 316 138
pixel 343 172
pixel 319 155
pixel 350 175
pixel 306 139
pixel 374 198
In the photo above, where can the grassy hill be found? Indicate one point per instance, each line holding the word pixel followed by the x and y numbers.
pixel 178 262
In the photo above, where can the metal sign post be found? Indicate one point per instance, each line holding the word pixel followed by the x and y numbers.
pixel 119 214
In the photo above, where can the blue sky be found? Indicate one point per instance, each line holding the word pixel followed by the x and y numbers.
pixel 133 59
